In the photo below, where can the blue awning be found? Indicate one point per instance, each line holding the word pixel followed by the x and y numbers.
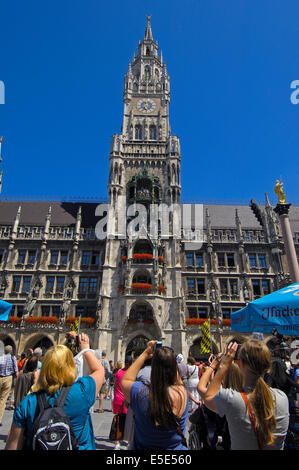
pixel 279 310
pixel 5 309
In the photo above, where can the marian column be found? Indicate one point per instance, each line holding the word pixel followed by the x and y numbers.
pixel 282 209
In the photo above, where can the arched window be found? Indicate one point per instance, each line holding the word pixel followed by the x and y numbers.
pixel 138 132
pixel 153 132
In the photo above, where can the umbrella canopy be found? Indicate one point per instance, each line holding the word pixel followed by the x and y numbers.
pixel 5 308
pixel 279 310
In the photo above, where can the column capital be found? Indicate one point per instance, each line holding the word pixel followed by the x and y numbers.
pixel 282 209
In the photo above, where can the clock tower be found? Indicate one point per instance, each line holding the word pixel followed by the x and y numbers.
pixel 146 93
pixel 142 295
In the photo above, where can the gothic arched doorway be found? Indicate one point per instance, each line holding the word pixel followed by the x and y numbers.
pixel 141 312
pixel 44 343
pixel 136 346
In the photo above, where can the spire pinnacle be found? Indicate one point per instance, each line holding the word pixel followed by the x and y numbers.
pixel 148 31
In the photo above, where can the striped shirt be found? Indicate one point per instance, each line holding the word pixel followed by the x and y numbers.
pixel 8 365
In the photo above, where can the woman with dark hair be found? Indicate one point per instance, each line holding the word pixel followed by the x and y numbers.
pixel 160 409
pixel 257 415
pixel 26 380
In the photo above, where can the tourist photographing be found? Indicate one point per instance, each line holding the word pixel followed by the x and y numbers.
pixel 57 373
pixel 258 415
pixel 160 409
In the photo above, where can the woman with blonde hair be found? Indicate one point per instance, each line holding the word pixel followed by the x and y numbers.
pixel 58 372
pixel 258 415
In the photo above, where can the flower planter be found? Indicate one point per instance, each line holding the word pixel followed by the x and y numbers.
pixel 15 320
pixel 142 286
pixel 84 320
pixel 195 321
pixel 143 256
pixel 35 320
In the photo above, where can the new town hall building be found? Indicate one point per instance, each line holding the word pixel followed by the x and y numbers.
pixel 129 289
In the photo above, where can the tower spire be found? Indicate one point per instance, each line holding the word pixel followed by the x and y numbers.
pixel 148 31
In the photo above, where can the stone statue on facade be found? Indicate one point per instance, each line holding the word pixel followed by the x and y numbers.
pixel 99 311
pixel 31 301
pixel 67 299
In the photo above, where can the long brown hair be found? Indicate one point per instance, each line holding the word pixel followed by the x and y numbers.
pixel 164 374
pixel 256 357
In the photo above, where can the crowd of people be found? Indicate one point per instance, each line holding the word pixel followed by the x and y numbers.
pixel 233 400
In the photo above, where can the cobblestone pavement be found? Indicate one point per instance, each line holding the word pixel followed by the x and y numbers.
pixel 101 426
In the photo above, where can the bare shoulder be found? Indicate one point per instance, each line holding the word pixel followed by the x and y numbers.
pixel 178 396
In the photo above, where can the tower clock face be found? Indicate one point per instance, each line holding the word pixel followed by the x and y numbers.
pixel 146 105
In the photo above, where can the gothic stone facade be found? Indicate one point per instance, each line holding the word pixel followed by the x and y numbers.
pixel 130 289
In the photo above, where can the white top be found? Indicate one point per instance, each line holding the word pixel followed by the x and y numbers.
pixel 193 379
pixel 230 403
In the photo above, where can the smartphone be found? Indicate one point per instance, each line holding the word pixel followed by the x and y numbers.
pixel 158 344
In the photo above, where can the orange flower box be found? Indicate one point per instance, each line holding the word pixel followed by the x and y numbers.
pixel 141 286
pixel 146 256
pixel 14 320
pixel 195 321
pixel 160 258
pixel 53 320
pixel 88 320
pixel 123 258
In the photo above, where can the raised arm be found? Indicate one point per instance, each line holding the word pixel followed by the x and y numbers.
pixel 130 376
pixel 97 371
pixel 216 381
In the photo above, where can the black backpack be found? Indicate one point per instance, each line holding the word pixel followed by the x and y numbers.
pixel 52 429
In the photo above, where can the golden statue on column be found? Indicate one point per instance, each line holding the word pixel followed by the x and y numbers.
pixel 279 192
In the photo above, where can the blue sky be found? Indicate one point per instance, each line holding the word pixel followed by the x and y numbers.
pixel 231 65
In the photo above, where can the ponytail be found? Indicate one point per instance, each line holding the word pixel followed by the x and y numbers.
pixel 256 357
pixel 262 403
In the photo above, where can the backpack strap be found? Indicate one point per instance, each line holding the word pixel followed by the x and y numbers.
pixel 42 401
pixel 60 400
